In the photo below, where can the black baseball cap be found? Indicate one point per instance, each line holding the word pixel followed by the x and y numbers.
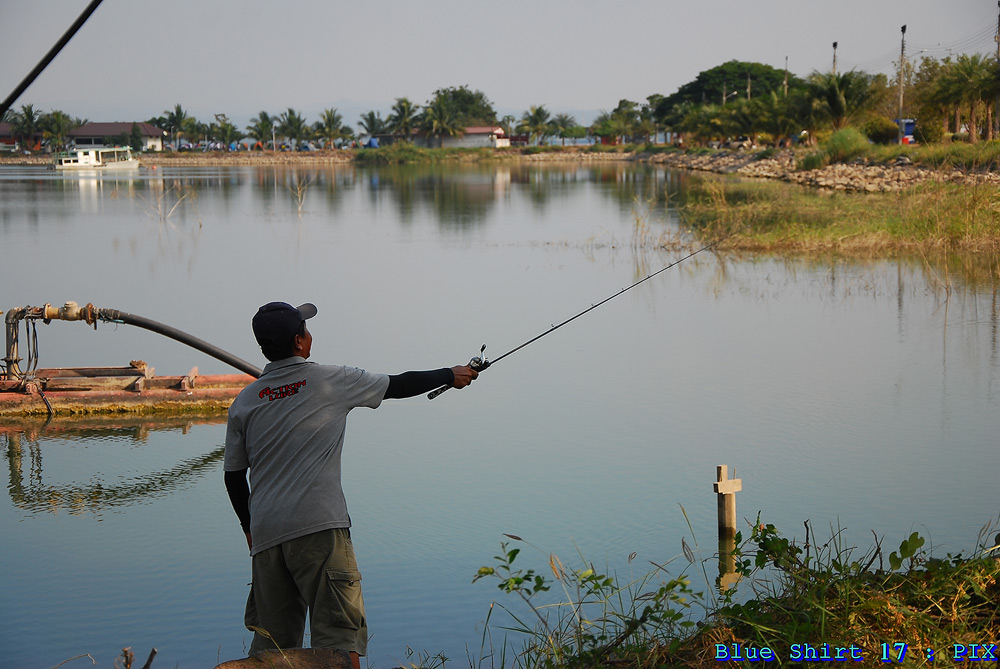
pixel 276 323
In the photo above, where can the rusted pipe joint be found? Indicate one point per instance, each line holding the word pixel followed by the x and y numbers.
pixel 70 311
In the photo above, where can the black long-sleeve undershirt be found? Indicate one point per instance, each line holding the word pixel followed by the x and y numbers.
pixel 239 495
pixel 409 384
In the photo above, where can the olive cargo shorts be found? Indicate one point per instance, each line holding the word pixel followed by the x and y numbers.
pixel 318 573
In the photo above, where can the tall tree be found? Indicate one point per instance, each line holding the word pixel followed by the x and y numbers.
pixel 467 107
pixel 224 131
pixel 56 126
pixel 536 123
pixel 175 122
pixel 847 97
pixel 403 118
pixel 509 124
pixel 710 85
pixel 293 125
pixel 26 126
pixel 561 124
pixel 331 128
pixel 621 123
pixel 440 120
pixel 262 128
pixel 373 123
pixel 971 80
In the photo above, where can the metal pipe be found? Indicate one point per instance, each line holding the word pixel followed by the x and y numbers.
pixel 115 316
pixel 71 311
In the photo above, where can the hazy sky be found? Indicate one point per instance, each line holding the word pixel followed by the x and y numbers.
pixel 134 59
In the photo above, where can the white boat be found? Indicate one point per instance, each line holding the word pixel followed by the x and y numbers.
pixel 114 158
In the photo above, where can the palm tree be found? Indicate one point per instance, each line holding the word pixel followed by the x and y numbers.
pixel 971 80
pixel 508 124
pixel 224 130
pixel 403 118
pixel 537 123
pixel 625 119
pixel 26 125
pixel 373 123
pixel 293 126
pixel 330 127
pixel 56 126
pixel 561 123
pixel 845 97
pixel 783 116
pixel 175 122
pixel 439 120
pixel 261 128
pixel 195 130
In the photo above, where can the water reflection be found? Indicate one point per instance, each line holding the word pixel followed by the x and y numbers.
pixel 26 440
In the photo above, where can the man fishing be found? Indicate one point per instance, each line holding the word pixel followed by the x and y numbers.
pixel 287 428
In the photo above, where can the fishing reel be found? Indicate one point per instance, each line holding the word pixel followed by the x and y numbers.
pixel 478 363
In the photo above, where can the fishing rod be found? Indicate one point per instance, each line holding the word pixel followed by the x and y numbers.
pixel 48 58
pixel 480 363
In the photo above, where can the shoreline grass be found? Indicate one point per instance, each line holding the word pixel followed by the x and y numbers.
pixel 776 216
pixel 798 598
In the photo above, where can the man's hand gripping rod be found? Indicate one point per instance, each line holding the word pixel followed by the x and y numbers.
pixel 478 363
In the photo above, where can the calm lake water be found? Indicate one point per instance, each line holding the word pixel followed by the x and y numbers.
pixel 854 394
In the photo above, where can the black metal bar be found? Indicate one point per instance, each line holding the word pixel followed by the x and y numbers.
pixel 44 62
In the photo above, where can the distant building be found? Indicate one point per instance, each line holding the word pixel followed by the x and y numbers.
pixel 7 142
pixel 472 137
pixel 98 134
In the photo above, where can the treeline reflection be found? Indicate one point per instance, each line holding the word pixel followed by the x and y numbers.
pixel 25 442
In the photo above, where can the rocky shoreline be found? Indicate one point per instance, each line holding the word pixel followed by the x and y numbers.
pixel 859 176
pixel 856 176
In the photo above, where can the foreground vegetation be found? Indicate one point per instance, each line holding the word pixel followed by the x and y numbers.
pixel 773 216
pixel 795 601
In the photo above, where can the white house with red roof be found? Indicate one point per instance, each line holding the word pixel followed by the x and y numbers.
pixel 96 134
pixel 472 137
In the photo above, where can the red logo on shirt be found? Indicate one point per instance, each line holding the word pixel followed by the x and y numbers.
pixel 281 392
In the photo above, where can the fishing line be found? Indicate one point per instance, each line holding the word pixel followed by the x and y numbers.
pixel 480 363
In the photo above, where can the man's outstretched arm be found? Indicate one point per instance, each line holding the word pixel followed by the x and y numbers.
pixel 410 384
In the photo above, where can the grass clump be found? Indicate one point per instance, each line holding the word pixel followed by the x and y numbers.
pixel 397 153
pixel 408 153
pixel 789 593
pixel 841 147
pixel 778 216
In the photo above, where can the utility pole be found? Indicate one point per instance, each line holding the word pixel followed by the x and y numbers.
pixel 996 103
pixel 834 59
pixel 748 85
pixel 902 60
pixel 786 69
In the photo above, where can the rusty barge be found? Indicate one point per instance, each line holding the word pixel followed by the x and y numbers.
pixel 134 388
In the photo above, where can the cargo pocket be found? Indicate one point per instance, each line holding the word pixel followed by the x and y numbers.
pixel 347 608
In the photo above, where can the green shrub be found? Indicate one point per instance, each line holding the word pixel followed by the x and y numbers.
pixel 845 145
pixel 813 161
pixel 881 130
pixel 929 133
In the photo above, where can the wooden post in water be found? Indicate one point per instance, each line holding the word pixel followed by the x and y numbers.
pixel 726 489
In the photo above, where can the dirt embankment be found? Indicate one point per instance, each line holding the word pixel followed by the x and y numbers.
pixel 859 175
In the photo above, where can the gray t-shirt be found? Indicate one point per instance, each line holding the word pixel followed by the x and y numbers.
pixel 288 428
